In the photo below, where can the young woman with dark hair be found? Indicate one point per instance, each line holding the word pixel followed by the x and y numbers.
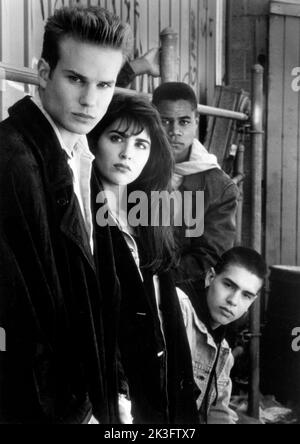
pixel 147 348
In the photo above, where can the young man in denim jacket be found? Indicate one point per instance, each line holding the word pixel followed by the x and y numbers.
pixel 226 295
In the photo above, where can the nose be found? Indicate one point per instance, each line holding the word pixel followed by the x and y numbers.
pixel 232 298
pixel 88 97
pixel 174 129
pixel 126 152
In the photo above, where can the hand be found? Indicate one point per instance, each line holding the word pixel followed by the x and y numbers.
pixel 147 64
pixel 125 410
pixel 152 57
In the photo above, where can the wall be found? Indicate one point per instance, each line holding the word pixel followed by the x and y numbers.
pixel 247 44
pixel 283 154
pixel 194 20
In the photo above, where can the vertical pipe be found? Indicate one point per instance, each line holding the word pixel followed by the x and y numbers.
pixel 169 43
pixel 240 175
pixel 27 33
pixel 27 38
pixel 228 55
pixel 50 10
pixel 256 229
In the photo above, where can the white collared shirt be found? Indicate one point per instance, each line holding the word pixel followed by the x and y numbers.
pixel 80 160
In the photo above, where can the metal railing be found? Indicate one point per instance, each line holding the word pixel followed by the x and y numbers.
pixel 29 77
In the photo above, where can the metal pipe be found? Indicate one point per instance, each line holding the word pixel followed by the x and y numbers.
pixel 27 32
pixel 219 112
pixel 29 76
pixel 238 180
pixel 256 229
pixel 169 56
pixel 20 75
pixel 228 47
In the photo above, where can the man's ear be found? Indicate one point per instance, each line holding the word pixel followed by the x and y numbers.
pixel 210 276
pixel 44 72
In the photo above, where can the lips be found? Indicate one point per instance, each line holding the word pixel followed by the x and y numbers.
pixel 122 167
pixel 82 116
pixel 177 143
pixel 227 312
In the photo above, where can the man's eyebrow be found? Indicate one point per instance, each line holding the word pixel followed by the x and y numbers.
pixel 176 118
pixel 75 74
pixel 84 78
pixel 249 293
pixel 231 282
pixel 236 286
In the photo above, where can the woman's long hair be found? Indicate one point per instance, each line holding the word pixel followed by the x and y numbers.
pixel 138 114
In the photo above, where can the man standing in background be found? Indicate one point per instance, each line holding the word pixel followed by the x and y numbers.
pixel 197 170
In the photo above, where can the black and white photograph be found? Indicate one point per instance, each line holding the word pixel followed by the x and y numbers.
pixel 150 214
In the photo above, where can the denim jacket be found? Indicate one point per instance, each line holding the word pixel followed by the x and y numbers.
pixel 204 353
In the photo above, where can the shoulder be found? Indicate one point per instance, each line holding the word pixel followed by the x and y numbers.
pixel 214 178
pixel 17 162
pixel 13 144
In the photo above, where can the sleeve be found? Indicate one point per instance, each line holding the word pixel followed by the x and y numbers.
pixel 221 413
pixel 219 232
pixel 27 290
pixel 126 76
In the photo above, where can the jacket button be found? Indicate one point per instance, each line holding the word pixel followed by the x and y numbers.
pixel 62 202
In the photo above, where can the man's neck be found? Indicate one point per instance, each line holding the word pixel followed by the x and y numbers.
pixel 69 139
pixel 186 157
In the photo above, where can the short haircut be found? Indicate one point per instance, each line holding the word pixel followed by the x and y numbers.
pixel 245 258
pixel 88 25
pixel 175 91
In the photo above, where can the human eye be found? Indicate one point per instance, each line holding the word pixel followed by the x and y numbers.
pixel 165 122
pixel 75 79
pixel 227 284
pixel 116 138
pixel 104 85
pixel 184 122
pixel 141 145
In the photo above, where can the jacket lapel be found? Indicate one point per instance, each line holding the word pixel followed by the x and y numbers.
pixel 56 173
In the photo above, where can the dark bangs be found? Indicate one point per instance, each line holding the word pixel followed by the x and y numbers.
pixel 131 125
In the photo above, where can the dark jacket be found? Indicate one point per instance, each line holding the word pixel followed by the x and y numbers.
pixel 50 302
pixel 198 254
pixel 157 367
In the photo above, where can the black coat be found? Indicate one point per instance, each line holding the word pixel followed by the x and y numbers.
pixel 161 385
pixel 50 303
